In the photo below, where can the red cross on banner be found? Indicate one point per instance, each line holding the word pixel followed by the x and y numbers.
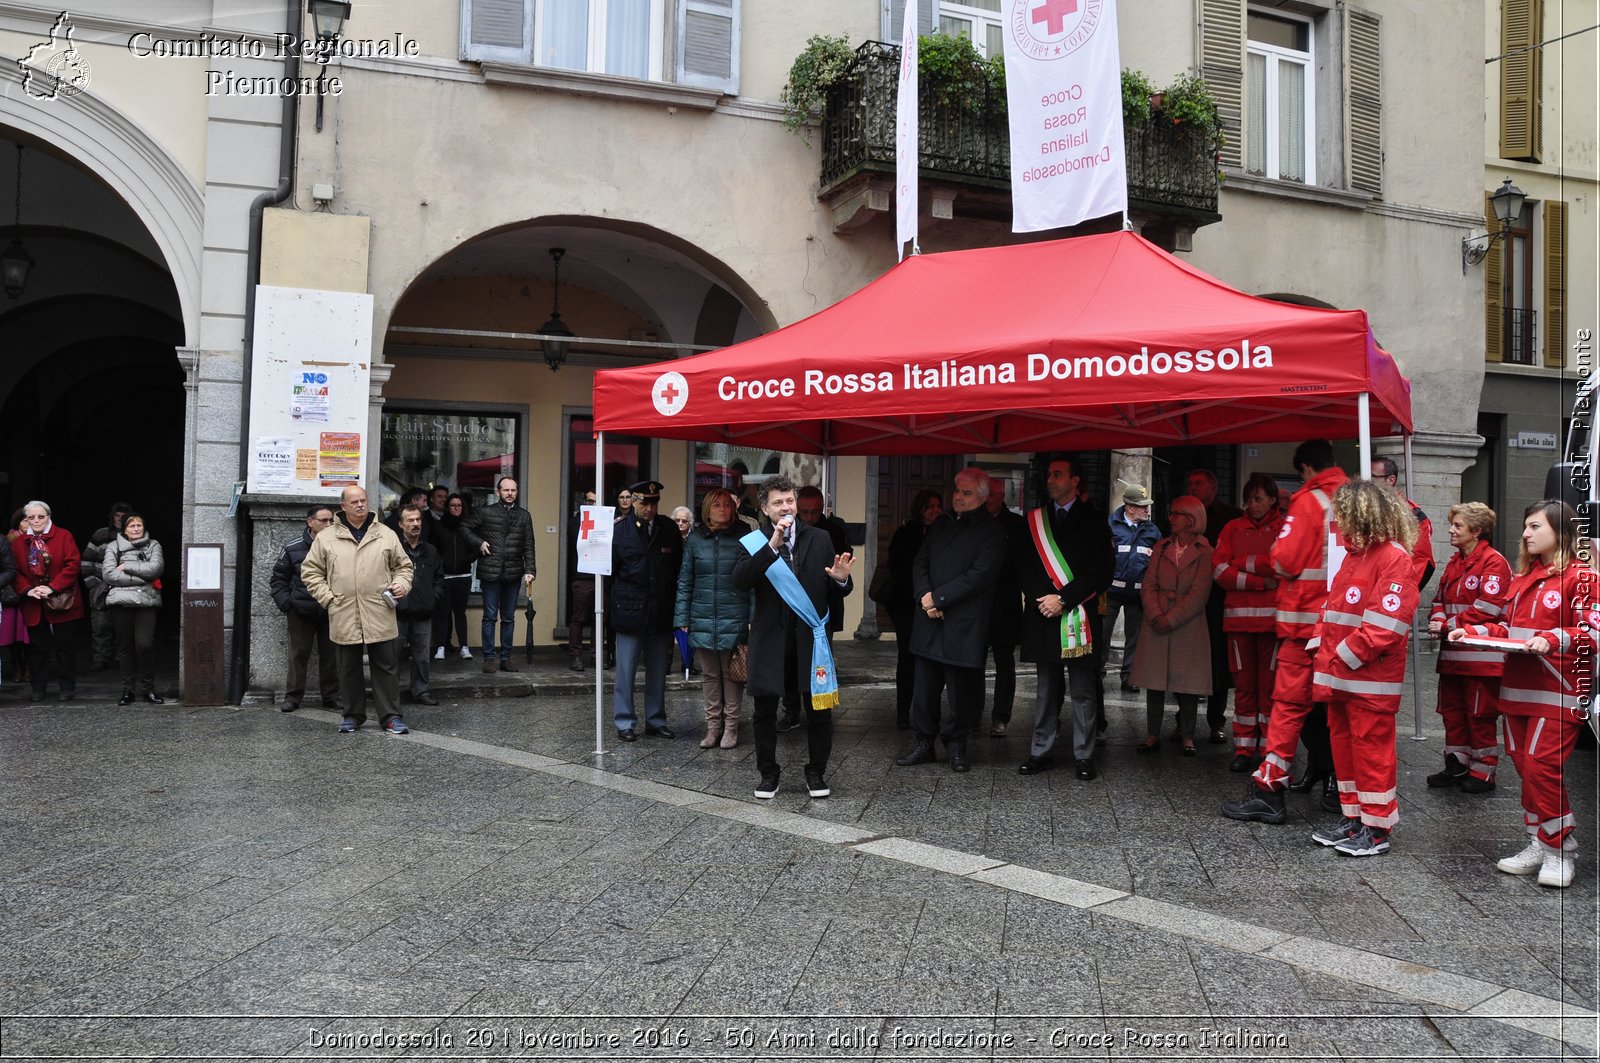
pixel 1053 13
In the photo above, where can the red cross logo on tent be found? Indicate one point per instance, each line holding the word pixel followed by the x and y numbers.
pixel 1053 13
pixel 670 394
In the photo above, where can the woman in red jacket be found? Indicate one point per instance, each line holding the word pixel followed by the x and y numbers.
pixel 1361 661
pixel 1243 568
pixel 1543 689
pixel 47 572
pixel 1473 590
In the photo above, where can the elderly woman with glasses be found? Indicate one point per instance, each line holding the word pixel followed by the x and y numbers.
pixel 47 581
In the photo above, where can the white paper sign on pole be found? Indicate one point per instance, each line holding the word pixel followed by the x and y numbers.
pixel 907 154
pixel 595 524
pixel 1064 95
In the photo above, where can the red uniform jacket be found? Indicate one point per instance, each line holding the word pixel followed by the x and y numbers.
pixel 1361 639
pixel 1242 562
pixel 1473 590
pixel 1552 604
pixel 1300 555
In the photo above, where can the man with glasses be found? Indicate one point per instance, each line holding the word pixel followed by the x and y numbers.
pixel 502 533
pixel 357 570
pixel 308 621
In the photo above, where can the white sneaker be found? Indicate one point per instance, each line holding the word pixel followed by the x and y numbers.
pixel 466 654
pixel 438 654
pixel 1527 862
pixel 1558 869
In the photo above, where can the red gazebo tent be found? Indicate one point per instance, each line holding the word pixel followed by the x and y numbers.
pixel 1085 343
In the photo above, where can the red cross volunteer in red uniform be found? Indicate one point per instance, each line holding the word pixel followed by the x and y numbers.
pixel 1300 559
pixel 1544 690
pixel 1361 661
pixel 1243 568
pixel 1473 590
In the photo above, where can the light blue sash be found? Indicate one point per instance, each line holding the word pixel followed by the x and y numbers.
pixel 824 677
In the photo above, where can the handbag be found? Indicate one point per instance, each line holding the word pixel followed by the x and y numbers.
pixel 878 589
pixel 739 663
pixel 61 601
pixel 97 593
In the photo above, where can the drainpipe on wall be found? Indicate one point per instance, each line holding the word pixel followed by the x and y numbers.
pixel 244 544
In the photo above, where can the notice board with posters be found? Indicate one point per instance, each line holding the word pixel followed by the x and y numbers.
pixel 310 381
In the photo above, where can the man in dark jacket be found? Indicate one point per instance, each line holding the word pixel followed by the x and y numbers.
pixel 1134 535
pixel 414 612
pixel 646 552
pixel 1005 614
pixel 780 646
pixel 1064 566
pixel 502 533
pixel 953 580
pixel 102 638
pixel 308 621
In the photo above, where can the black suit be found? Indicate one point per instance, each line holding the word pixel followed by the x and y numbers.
pixel 644 588
pixel 1085 542
pixel 780 646
pixel 958 565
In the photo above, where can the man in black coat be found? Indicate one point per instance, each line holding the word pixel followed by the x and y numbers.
pixel 1084 540
pixel 780 645
pixel 953 581
pixel 502 533
pixel 646 553
pixel 414 612
pixel 308 621
pixel 1005 615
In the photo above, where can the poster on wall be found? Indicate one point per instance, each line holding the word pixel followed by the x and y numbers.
pixel 311 373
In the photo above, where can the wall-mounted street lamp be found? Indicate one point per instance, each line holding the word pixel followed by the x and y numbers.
pixel 327 20
pixel 16 262
pixel 1507 202
pixel 554 337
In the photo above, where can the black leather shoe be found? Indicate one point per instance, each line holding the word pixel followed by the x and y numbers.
pixel 957 756
pixel 69 694
pixel 660 732
pixel 126 699
pixel 626 734
pixel 1036 765
pixel 575 664
pixel 426 698
pixel 789 720
pixel 1146 748
pixel 152 698
pixel 1218 736
pixel 1262 806
pixel 921 753
pixel 288 705
pixel 1242 763
pixel 1330 795
pixel 1308 782
pixel 1086 770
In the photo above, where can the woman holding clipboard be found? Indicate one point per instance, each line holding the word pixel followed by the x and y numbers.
pixel 1544 678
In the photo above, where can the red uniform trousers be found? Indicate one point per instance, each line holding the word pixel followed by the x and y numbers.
pixel 1539 747
pixel 1364 761
pixel 1291 704
pixel 1250 661
pixel 1470 705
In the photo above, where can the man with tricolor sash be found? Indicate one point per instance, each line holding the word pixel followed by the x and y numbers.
pixel 791 569
pixel 1063 566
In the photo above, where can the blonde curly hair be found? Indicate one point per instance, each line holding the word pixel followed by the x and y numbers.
pixel 1370 513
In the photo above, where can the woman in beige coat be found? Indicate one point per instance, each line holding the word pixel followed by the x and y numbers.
pixel 1174 653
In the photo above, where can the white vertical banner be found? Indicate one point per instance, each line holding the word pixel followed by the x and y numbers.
pixel 906 150
pixel 1064 91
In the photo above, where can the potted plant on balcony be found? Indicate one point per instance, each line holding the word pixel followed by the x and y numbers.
pixel 824 60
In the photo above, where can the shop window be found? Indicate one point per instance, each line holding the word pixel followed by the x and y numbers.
pixel 467 452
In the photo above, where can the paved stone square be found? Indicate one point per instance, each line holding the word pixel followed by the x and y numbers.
pixel 241 883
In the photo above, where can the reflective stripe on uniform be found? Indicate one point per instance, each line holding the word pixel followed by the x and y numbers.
pixel 1262 612
pixel 1447 653
pixel 1375 797
pixel 1487 607
pixel 1313 574
pixel 1389 623
pixel 1347 619
pixel 1358 686
pixel 1553 698
pixel 1555 826
pixel 1533 742
pixel 1285 616
pixel 1347 655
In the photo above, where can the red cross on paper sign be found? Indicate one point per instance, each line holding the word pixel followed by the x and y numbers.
pixel 586 527
pixel 669 393
pixel 1053 13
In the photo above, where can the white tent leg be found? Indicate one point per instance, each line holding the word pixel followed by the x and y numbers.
pixel 599 607
pixel 1364 420
pixel 1416 651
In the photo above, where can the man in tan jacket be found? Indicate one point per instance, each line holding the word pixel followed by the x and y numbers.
pixel 356 569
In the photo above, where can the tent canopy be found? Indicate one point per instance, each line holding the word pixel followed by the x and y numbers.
pixel 1083 343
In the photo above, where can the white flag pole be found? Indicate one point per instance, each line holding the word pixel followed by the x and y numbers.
pixel 907 151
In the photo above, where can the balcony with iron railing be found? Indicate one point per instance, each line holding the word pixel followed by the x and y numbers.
pixel 1517 337
pixel 964 146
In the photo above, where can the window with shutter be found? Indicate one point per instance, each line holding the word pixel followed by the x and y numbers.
pixel 1494 321
pixel 1222 65
pixel 708 44
pixel 892 18
pixel 1521 75
pixel 1365 140
pixel 1280 95
pixel 496 29
pixel 1555 284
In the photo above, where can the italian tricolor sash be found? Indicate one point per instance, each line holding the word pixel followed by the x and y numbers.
pixel 1076 640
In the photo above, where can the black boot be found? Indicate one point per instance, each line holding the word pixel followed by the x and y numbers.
pixel 1454 771
pixel 921 753
pixel 1330 795
pixel 126 699
pixel 1263 806
pixel 1310 780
